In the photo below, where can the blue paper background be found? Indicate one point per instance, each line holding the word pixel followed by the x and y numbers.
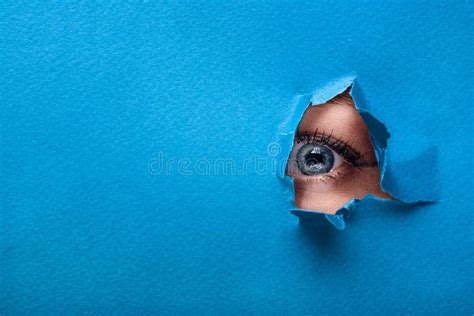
pixel 91 93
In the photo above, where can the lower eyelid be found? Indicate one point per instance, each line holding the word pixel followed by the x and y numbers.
pixel 333 175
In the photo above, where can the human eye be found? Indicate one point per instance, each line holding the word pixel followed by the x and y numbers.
pixel 320 154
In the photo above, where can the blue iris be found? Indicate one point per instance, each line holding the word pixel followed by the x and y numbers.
pixel 315 159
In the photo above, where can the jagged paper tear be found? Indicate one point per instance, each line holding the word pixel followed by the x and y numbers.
pixel 410 180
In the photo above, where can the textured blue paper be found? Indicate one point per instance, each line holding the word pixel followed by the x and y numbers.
pixel 93 94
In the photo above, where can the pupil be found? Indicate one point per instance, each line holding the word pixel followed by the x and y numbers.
pixel 314 159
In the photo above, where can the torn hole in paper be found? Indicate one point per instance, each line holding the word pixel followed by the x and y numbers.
pixel 337 154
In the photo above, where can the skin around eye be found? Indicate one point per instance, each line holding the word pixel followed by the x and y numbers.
pixel 333 130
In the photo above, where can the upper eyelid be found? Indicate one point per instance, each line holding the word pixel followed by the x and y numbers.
pixel 340 146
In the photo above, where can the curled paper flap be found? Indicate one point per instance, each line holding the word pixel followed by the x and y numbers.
pixel 410 178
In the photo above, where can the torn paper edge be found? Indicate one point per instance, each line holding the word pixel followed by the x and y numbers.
pixel 379 137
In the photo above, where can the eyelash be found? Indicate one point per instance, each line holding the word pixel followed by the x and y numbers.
pixel 326 178
pixel 338 145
